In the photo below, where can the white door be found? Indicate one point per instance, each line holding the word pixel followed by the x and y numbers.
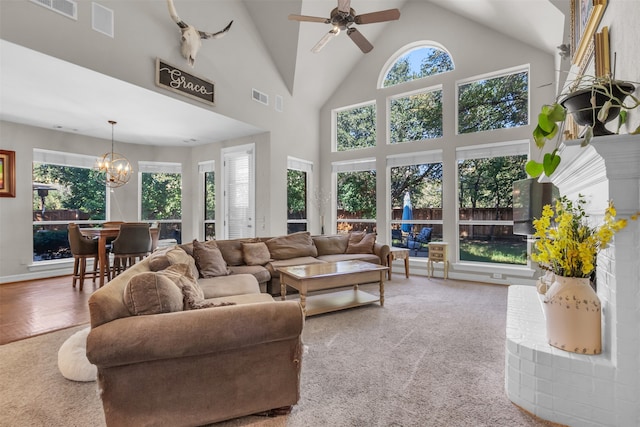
pixel 239 191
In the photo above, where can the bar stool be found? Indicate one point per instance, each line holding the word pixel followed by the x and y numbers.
pixel 132 244
pixel 82 247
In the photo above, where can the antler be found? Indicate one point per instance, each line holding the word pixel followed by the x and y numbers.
pixel 191 37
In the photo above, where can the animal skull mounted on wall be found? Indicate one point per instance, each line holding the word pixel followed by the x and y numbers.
pixel 191 37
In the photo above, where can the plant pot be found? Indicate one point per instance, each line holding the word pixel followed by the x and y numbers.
pixel 578 104
pixel 573 316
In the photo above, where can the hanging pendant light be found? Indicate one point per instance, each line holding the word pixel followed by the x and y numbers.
pixel 116 167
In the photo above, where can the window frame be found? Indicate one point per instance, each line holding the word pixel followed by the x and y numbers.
pixel 407 49
pixel 164 168
pixel 205 168
pixel 427 89
pixel 356 165
pixel 483 151
pixel 305 166
pixel 488 76
pixel 334 125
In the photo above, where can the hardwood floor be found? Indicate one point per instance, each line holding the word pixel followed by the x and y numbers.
pixel 38 306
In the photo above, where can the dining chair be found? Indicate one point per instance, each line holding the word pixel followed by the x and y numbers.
pixel 132 244
pixel 82 247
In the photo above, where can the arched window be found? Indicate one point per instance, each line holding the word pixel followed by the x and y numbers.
pixel 419 60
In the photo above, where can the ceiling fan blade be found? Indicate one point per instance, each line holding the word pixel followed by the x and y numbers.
pixel 344 6
pixel 380 16
pixel 360 40
pixel 305 18
pixel 325 39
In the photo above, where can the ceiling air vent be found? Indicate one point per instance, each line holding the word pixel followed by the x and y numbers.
pixel 102 19
pixel 68 8
pixel 260 97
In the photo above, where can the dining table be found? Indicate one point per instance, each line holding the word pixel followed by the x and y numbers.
pixel 103 234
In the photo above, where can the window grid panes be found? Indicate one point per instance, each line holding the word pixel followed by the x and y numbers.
pixel 356 201
pixel 356 128
pixel 486 210
pixel 209 205
pixel 416 206
pixel 161 195
pixel 416 117
pixel 418 63
pixel 62 195
pixel 494 103
pixel 296 201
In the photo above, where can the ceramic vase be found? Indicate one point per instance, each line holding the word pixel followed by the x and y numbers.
pixel 573 316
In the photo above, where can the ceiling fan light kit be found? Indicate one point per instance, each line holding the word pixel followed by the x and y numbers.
pixel 342 17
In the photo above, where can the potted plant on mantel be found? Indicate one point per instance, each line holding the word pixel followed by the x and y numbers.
pixel 592 102
pixel 567 247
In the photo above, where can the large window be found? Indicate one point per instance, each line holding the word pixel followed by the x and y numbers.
pixel 356 195
pixel 297 194
pixel 418 63
pixel 416 201
pixel 161 197
pixel 485 186
pixel 494 103
pixel 65 189
pixel 356 127
pixel 416 116
pixel 208 176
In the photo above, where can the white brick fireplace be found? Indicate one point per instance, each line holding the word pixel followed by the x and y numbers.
pixel 569 388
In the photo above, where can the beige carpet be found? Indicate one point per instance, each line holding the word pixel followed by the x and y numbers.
pixel 432 356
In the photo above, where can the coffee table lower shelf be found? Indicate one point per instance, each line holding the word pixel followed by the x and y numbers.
pixel 334 301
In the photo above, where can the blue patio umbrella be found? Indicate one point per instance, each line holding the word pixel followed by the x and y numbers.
pixel 407 213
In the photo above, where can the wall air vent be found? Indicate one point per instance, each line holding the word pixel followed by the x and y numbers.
pixel 279 103
pixel 260 97
pixel 68 8
pixel 102 19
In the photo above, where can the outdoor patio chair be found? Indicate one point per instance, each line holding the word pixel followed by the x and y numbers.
pixel 397 239
pixel 421 241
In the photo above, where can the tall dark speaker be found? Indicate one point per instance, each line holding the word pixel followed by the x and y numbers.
pixel 529 197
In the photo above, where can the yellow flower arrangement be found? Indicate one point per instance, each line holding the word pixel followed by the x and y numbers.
pixel 566 244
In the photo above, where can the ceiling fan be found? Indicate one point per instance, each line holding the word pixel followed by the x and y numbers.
pixel 342 17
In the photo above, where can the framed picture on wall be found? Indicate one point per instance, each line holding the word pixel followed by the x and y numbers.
pixel 7 173
pixel 585 18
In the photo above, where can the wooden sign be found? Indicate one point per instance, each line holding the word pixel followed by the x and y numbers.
pixel 177 80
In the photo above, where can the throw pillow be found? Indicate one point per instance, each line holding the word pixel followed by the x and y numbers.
pixel 292 246
pixel 232 250
pixel 361 242
pixel 255 253
pixel 158 259
pixel 209 260
pixel 331 245
pixel 152 293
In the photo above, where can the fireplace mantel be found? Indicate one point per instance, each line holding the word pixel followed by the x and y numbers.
pixel 576 389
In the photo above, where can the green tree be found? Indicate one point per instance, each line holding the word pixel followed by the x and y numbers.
pixel 296 194
pixel 423 182
pixel 356 128
pixel 434 61
pixel 357 193
pixel 416 117
pixel 497 103
pixel 488 182
pixel 161 196
pixel 209 196
pixel 77 189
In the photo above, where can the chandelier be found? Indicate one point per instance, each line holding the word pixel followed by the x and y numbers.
pixel 116 167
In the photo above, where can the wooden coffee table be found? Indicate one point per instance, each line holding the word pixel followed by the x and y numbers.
pixel 330 275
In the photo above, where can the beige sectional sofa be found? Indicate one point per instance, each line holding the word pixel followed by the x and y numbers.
pixel 186 337
pixel 295 249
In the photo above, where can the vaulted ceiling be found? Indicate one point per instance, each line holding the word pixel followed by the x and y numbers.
pixel 539 23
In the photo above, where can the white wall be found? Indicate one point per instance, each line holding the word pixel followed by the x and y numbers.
pixel 144 31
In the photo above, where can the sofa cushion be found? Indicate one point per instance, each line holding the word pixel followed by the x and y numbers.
pixel 329 245
pixel 232 250
pixel 255 253
pixel 361 242
pixel 292 246
pixel 152 293
pixel 260 272
pixel 235 284
pixel 209 260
